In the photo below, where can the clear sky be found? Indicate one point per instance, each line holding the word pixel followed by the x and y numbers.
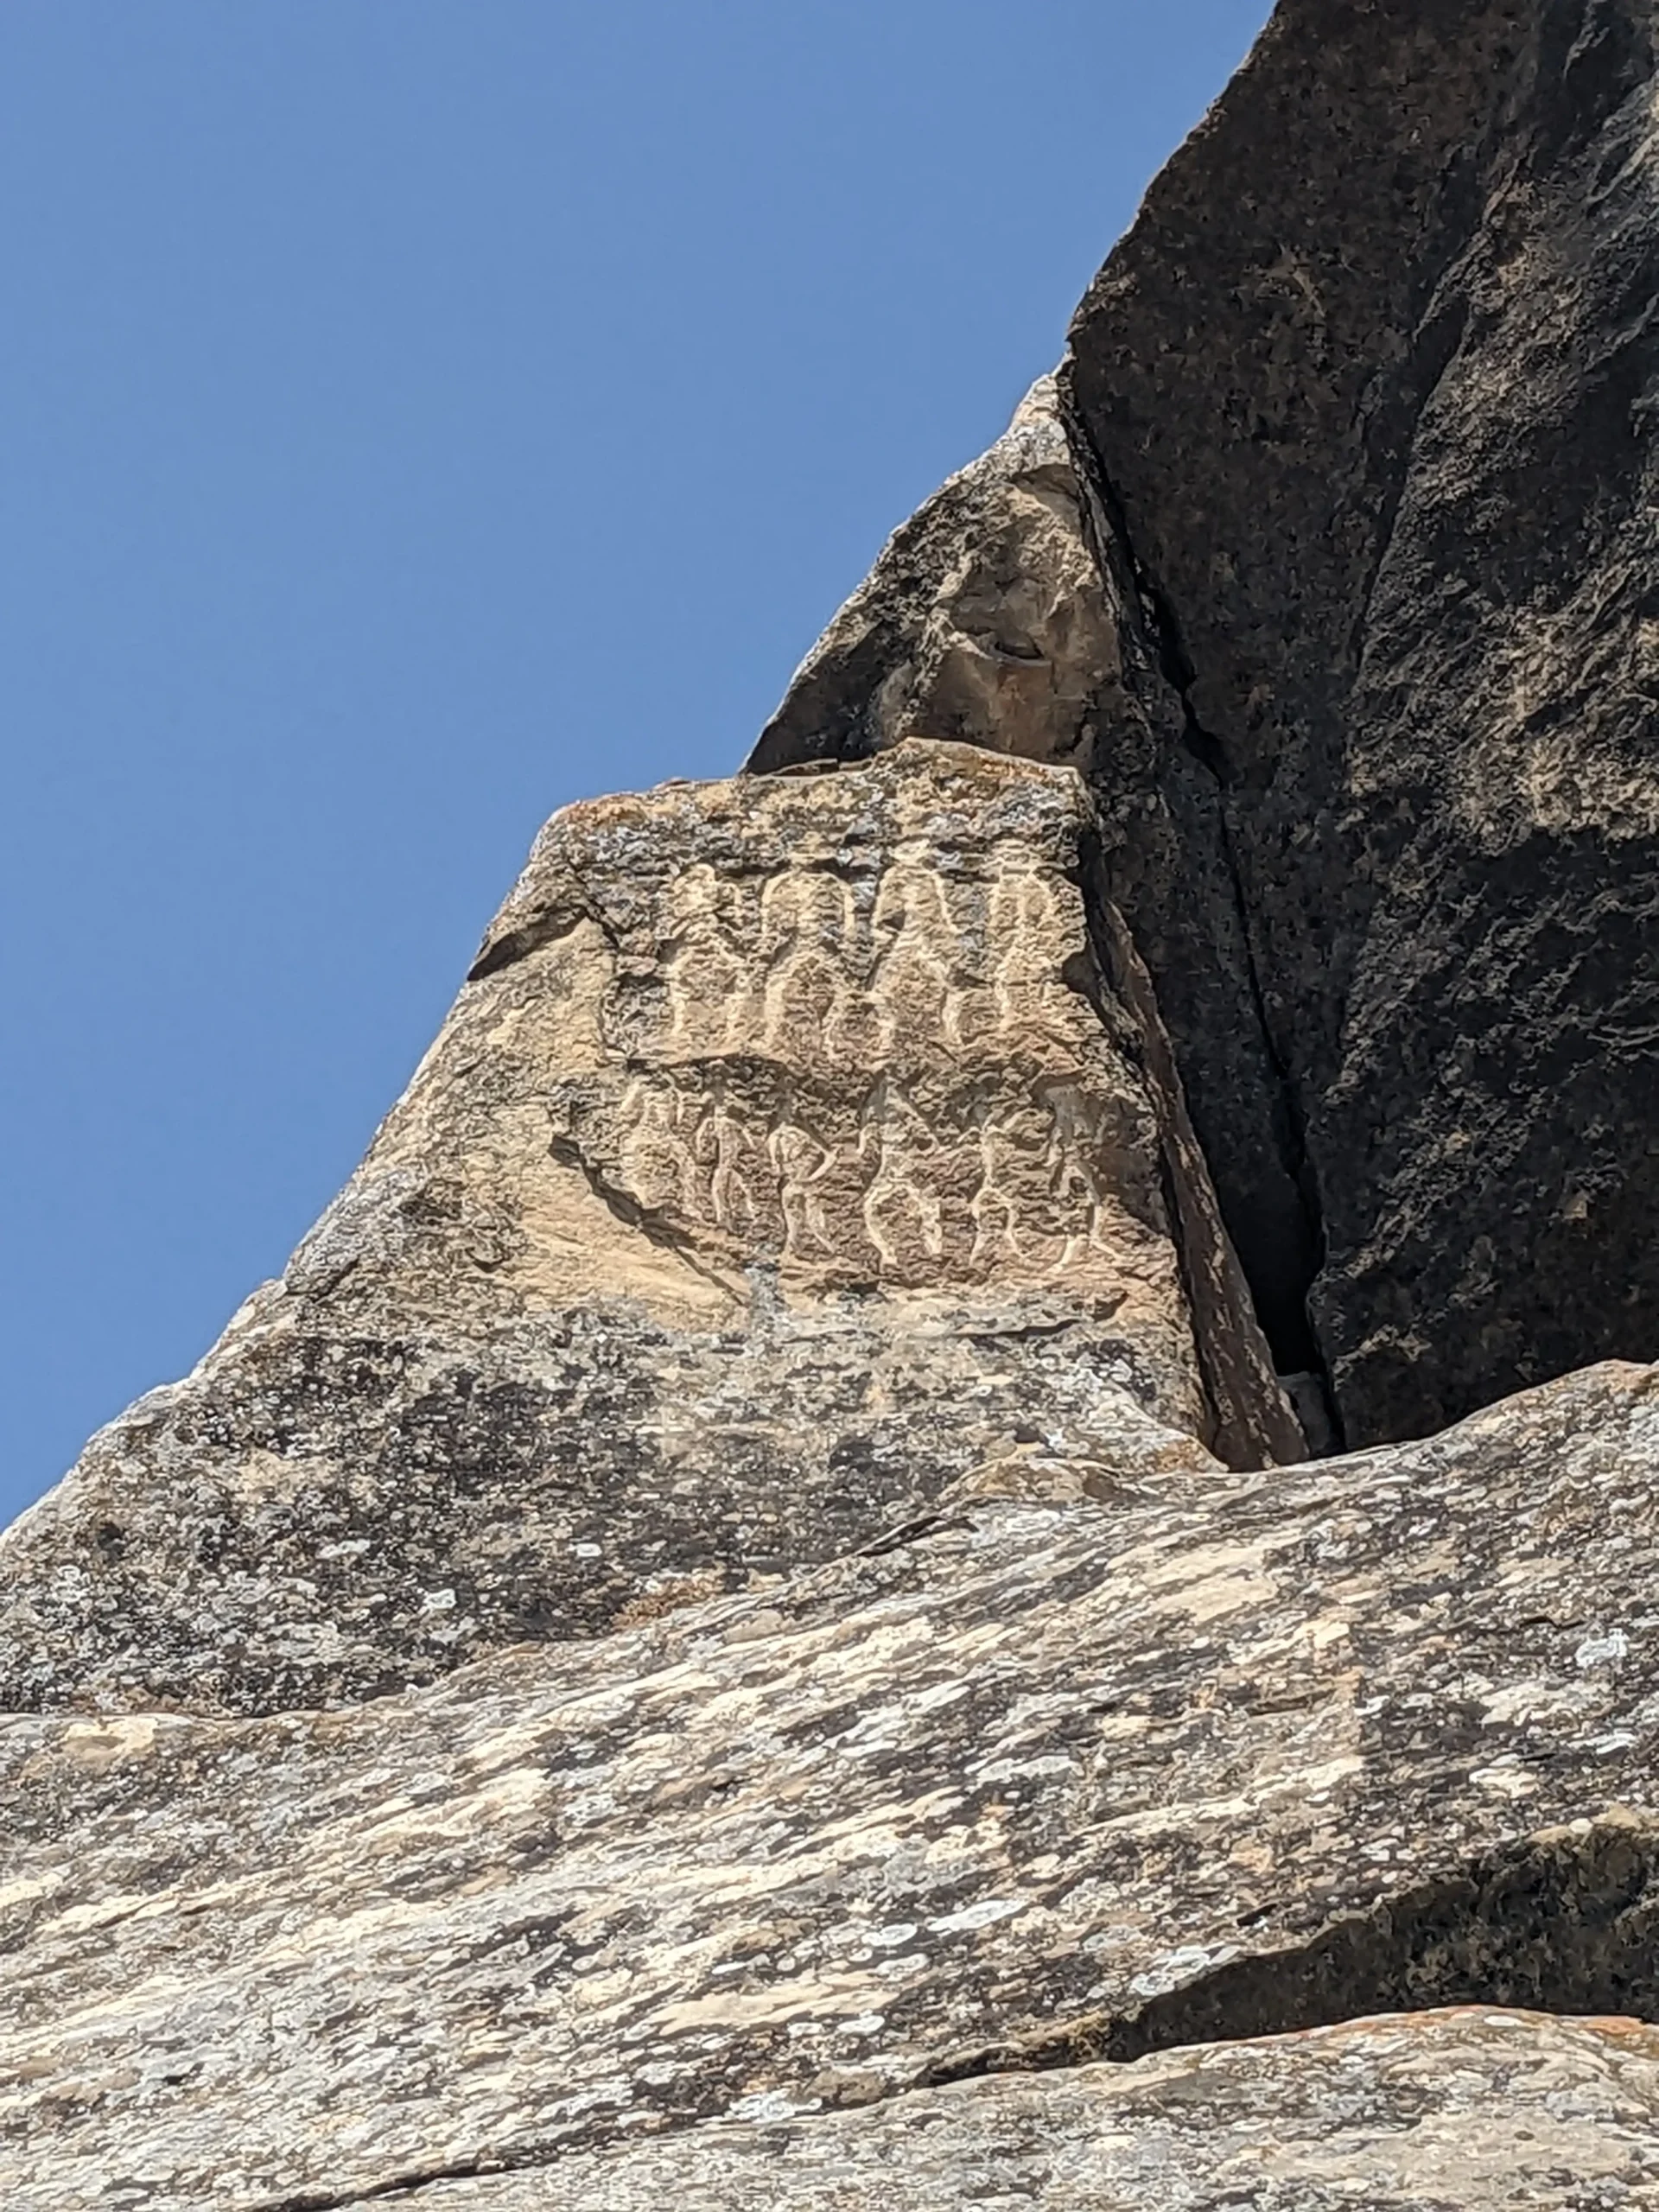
pixel 415 414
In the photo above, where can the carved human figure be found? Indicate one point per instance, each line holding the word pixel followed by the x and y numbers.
pixel 918 983
pixel 657 1165
pixel 1024 918
pixel 1072 1159
pixel 1003 1161
pixel 708 972
pixel 900 1209
pixel 808 927
pixel 724 1147
pixel 801 1163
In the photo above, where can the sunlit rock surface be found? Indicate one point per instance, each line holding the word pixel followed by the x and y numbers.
pixel 761 1617
pixel 795 1153
pixel 1041 1786
pixel 1478 2109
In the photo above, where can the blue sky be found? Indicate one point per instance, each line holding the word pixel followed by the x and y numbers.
pixel 415 414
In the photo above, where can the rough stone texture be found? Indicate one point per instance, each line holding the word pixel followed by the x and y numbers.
pixel 1362 431
pixel 982 622
pixel 1372 383
pixel 789 1159
pixel 1041 1786
pixel 1480 2110
pixel 821 1694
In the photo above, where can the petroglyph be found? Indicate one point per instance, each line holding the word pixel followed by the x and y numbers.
pixel 901 1206
pixel 803 1166
pixel 726 1145
pixel 869 1067
pixel 708 968
pixel 1080 1156
pixel 832 1033
pixel 658 1167
pixel 875 1180
pixel 995 1206
pixel 918 984
pixel 809 962
pixel 1024 923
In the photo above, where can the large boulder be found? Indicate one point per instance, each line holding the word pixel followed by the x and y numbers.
pixel 1024 1801
pixel 1371 387
pixel 1363 436
pixel 796 1152
pixel 752 1622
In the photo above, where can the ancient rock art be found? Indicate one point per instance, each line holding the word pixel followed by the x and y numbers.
pixel 917 984
pixel 902 1206
pixel 807 957
pixel 709 979
pixel 1024 922
pixel 802 1164
pixel 792 1294
pixel 768 1094
pixel 874 1068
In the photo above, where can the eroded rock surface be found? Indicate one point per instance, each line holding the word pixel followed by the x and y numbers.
pixel 982 623
pixel 1370 383
pixel 1220 1755
pixel 790 1156
pixel 1362 439
pixel 751 1623
pixel 1479 2110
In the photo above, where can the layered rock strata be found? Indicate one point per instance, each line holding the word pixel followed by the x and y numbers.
pixel 1361 434
pixel 794 1154
pixel 1034 1793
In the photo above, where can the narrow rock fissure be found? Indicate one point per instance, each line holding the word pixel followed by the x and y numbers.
pixel 1253 1427
pixel 1283 1305
pixel 407 2184
pixel 1565 1923
pixel 1278 1290
pixel 628 1211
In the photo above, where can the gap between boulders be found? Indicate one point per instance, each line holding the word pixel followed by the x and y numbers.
pixel 1567 1921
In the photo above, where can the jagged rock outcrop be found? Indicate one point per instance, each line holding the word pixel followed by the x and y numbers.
pixel 795 1153
pixel 1362 424
pixel 1042 1788
pixel 982 623
pixel 752 1621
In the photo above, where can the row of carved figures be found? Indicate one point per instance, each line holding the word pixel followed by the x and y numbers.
pixel 1031 1180
pixel 799 958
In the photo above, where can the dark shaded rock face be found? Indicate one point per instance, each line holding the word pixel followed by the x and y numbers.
pixel 1376 415
pixel 1361 417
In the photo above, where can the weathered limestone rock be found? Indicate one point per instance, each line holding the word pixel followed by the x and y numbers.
pixel 789 1158
pixel 1041 1789
pixel 1363 438
pixel 750 1624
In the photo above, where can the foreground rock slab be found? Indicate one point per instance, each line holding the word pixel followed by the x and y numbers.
pixel 795 1152
pixel 1041 1786
pixel 1480 2110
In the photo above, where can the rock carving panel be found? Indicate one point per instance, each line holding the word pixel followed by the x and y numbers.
pixel 873 1070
